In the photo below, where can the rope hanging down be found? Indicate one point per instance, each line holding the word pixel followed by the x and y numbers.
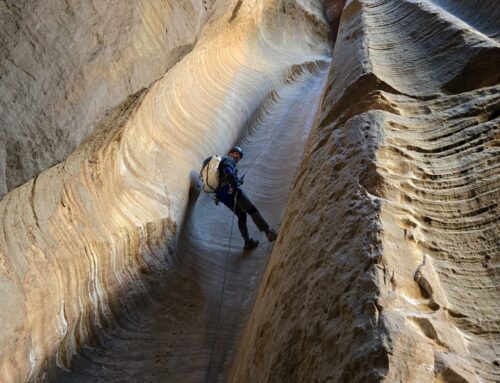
pixel 221 293
pixel 225 271
pixel 229 251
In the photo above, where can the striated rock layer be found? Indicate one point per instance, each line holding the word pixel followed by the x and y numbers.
pixel 387 266
pixel 108 247
pixel 173 332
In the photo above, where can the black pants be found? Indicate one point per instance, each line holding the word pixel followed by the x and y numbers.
pixel 243 207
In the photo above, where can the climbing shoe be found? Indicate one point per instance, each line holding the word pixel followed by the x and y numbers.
pixel 251 244
pixel 271 235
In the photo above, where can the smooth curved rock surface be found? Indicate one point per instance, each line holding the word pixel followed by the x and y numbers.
pixel 85 237
pixel 169 337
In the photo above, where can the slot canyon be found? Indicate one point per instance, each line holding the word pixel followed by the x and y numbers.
pixel 371 139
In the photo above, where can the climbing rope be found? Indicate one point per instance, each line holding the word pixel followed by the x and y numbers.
pixel 222 292
pixel 229 248
pixel 227 261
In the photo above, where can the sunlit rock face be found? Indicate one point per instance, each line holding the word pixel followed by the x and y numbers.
pixel 63 65
pixel 387 266
pixel 378 162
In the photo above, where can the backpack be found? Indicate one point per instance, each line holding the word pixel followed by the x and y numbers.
pixel 209 174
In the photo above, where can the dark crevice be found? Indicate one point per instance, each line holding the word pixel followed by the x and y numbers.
pixel 235 11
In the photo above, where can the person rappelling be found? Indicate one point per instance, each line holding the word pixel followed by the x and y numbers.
pixel 220 176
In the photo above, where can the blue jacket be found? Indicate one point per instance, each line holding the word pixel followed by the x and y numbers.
pixel 229 180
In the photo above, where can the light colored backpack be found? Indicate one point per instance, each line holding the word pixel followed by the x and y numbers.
pixel 209 174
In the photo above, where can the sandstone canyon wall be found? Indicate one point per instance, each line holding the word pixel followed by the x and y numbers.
pixel 387 267
pixel 377 160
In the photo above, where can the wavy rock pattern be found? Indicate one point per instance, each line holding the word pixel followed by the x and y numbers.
pixel 169 337
pixel 87 242
pixel 398 199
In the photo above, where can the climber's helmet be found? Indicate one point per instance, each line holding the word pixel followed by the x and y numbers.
pixel 236 152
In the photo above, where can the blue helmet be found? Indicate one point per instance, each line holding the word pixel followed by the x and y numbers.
pixel 236 149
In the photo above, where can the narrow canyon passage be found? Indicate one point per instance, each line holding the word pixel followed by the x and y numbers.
pixel 166 332
pixel 370 131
